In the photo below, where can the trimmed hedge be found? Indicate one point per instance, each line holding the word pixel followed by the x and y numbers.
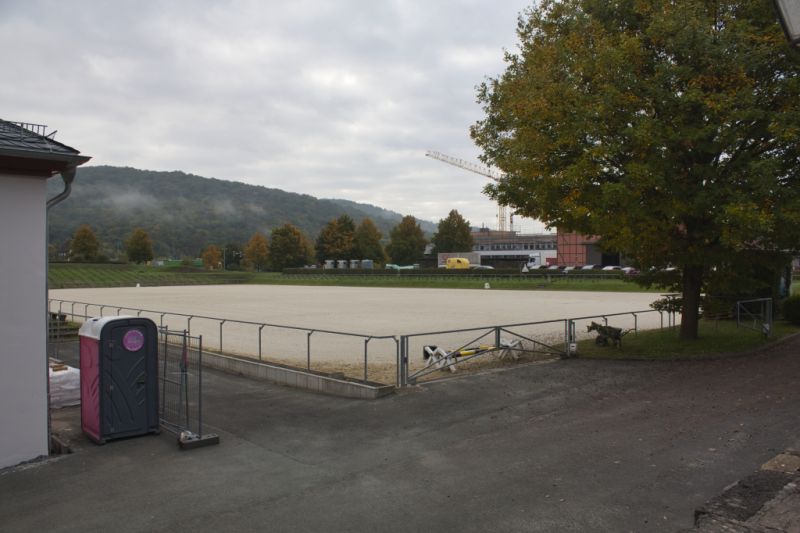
pixel 791 309
pixel 457 273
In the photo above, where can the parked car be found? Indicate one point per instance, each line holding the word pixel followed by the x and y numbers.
pixel 630 271
pixel 481 267
pixel 611 267
pixel 589 267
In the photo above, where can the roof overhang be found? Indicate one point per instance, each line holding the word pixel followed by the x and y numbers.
pixel 37 164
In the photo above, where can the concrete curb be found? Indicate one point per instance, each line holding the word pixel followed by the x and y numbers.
pixel 296 377
pixel 763 502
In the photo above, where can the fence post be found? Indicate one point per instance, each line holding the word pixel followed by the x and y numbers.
pixel 397 353
pixel 403 361
pixel 635 324
pixel 189 325
pixel 220 335
pixel 200 386
pixel 308 350
pixel 162 400
pixel 497 337
pixel 366 349
pixel 161 320
pixel 738 313
pixel 101 309
pixel 259 340
pixel 768 305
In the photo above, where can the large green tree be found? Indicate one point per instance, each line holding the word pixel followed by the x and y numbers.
pixel 139 247
pixel 84 245
pixel 668 128
pixel 452 235
pixel 337 239
pixel 368 242
pixel 407 242
pixel 288 248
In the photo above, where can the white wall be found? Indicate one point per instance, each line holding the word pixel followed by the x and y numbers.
pixel 23 363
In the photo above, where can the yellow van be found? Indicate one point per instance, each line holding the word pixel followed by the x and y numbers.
pixel 457 262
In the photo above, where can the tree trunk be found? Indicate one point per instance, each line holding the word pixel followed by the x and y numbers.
pixel 692 284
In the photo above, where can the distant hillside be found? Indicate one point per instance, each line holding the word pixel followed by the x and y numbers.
pixel 184 213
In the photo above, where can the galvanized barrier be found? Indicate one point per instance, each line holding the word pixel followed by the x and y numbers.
pixel 755 314
pixel 180 373
pixel 551 338
pixel 252 339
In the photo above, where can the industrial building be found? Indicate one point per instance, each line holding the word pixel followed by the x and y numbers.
pixel 509 248
pixel 575 249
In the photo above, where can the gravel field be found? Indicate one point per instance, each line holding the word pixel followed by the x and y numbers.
pixel 367 311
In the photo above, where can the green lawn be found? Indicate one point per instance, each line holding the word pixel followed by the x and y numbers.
pixel 717 338
pixel 76 275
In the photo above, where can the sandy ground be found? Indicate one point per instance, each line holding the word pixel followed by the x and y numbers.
pixel 367 312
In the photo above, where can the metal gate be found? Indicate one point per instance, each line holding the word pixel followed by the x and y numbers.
pixel 755 314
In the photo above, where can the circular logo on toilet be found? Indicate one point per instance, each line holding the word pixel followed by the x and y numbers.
pixel 133 340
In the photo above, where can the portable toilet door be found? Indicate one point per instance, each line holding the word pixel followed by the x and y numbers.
pixel 119 377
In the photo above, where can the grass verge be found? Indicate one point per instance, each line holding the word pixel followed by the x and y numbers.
pixel 717 338
pixel 77 275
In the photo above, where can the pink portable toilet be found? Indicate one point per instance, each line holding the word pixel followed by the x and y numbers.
pixel 119 377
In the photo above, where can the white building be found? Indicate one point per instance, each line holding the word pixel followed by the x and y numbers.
pixel 28 157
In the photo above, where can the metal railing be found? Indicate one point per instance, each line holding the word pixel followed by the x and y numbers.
pixel 340 352
pixel 548 341
pixel 291 337
pixel 21 130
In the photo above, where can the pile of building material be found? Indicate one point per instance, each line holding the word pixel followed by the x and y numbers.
pixel 65 384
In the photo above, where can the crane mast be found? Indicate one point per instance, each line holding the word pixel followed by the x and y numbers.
pixel 483 171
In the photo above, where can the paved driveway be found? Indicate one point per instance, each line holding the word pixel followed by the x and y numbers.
pixel 561 446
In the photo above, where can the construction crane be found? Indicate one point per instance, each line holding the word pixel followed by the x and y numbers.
pixel 483 171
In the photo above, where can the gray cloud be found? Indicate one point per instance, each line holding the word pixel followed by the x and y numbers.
pixel 336 99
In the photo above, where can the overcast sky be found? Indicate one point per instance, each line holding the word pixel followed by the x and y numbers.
pixel 337 99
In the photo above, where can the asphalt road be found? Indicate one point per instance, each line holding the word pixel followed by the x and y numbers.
pixel 562 446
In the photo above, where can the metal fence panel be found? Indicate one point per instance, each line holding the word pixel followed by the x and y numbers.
pixel 181 387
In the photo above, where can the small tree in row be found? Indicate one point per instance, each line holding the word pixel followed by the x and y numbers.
pixel 407 241
pixel 212 257
pixel 453 234
pixel 341 239
pixel 139 247
pixel 84 246
pixel 256 252
pixel 289 248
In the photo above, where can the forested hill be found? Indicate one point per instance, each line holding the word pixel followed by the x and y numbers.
pixel 183 213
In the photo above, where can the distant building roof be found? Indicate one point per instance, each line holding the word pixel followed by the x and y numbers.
pixel 28 149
